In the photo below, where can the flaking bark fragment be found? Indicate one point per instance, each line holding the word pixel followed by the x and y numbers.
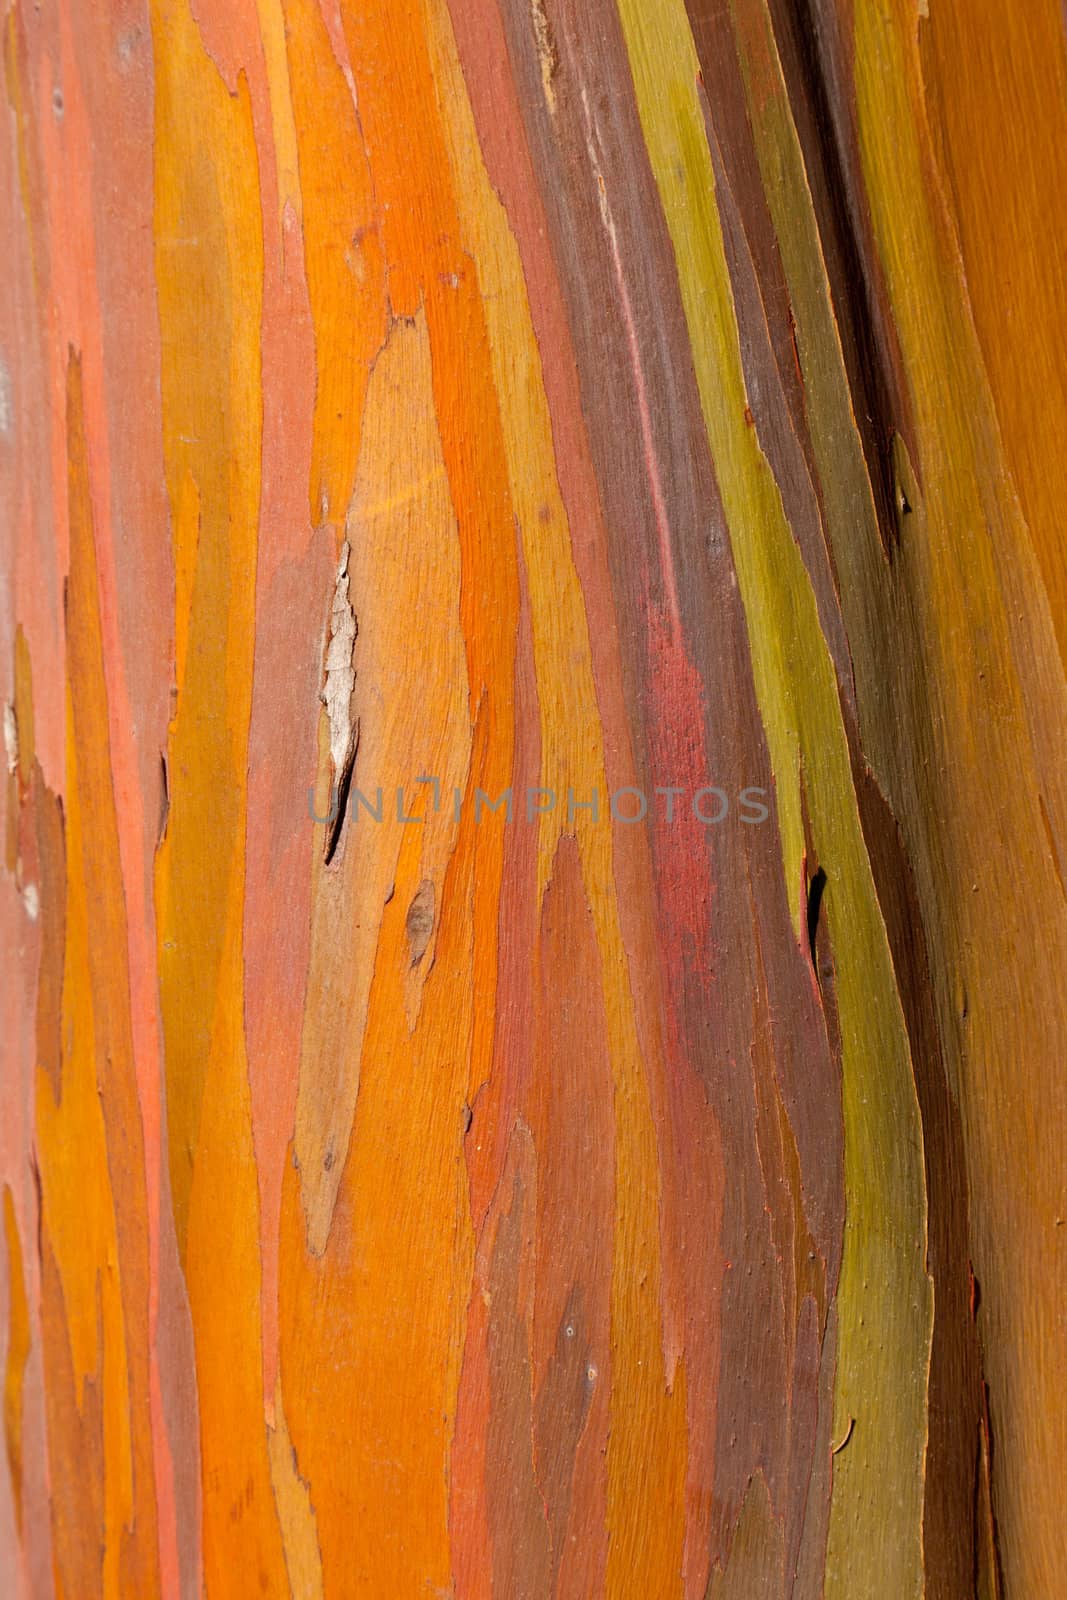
pixel 336 696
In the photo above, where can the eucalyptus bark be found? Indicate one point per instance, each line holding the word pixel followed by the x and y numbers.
pixel 532 641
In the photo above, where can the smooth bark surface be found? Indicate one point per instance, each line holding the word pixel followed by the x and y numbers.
pixel 532 638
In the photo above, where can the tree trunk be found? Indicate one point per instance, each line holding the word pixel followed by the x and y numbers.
pixel 532 639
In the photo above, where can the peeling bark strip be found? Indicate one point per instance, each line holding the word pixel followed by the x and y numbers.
pixel 559 398
pixel 337 694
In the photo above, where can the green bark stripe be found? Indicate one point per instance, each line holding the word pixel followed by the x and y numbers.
pixel 884 1302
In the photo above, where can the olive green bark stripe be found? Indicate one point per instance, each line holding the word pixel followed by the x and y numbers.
pixel 884 1300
